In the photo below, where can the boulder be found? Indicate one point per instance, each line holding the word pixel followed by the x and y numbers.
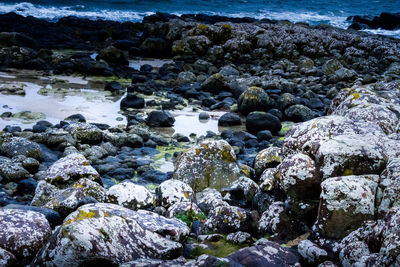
pixel 209 164
pixel 239 238
pixel 113 55
pixel 267 158
pixel 173 191
pixel 182 208
pixel 229 219
pixel 15 146
pixel 299 113
pixel 346 202
pixel 229 119
pixel 298 177
pixel 215 84
pixel 106 234
pixel 159 118
pixel 242 191
pixel 11 171
pixel 311 252
pixel 132 101
pixel 209 199
pixel 389 183
pixel 155 47
pixel 69 169
pixel 64 201
pixel 350 155
pixel 23 233
pixel 264 253
pixel 130 195
pixel 85 133
pixel 254 99
pixel 258 121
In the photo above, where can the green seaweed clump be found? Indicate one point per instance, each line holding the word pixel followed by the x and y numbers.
pixel 190 216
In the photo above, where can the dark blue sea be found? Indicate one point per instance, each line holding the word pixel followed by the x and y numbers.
pixel 333 12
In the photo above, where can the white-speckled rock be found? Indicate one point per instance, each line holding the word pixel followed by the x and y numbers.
pixel 104 233
pixel 170 228
pixel 265 253
pixel 298 177
pixel 67 200
pixel 69 169
pixel 273 219
pixel 269 180
pixel 209 164
pixel 172 191
pixel 383 236
pixel 130 195
pixel 15 146
pixel 242 190
pixel 85 132
pixel 351 154
pixel 267 158
pixel 389 183
pixel 182 207
pixel 209 199
pixel 346 202
pixel 23 233
pixel 11 171
pixel 228 219
pixel 305 137
pixel 311 252
pixel 6 258
pixel 239 238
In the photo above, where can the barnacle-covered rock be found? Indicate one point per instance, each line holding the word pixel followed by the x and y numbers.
pixel 22 233
pixel 209 164
pixel 130 195
pixel 70 169
pixel 228 219
pixel 107 234
pixel 172 191
pixel 267 158
pixel 85 132
pixel 346 202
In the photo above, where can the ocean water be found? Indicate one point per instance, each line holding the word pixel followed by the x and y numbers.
pixel 333 12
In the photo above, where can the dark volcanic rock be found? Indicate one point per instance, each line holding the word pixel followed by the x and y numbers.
pixel 229 119
pixel 132 101
pixel 257 121
pixel 158 118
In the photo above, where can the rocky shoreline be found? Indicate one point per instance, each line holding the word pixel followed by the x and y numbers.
pixel 304 170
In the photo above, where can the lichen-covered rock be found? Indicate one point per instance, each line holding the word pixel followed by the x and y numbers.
pixel 239 238
pixel 155 263
pixel 23 233
pixel 242 190
pixel 67 200
pixel 104 233
pixel 58 138
pixel 298 177
pixel 7 258
pixel 208 260
pixel 11 171
pixel 209 164
pixel 353 253
pixel 69 169
pixel 181 208
pixel 269 180
pixel 389 183
pixel 311 252
pixel 228 219
pixel 264 253
pixel 130 195
pixel 346 202
pixel 209 199
pixel 267 158
pixel 15 146
pixel 254 99
pixel 307 136
pixel 172 191
pixel 350 155
pixel 373 244
pixel 85 133
pixel 275 220
pixel 215 84
pixel 170 228
pixel 299 113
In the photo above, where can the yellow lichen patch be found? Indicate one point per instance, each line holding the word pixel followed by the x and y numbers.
pixel 356 96
pixel 83 215
pixel 226 27
pixel 348 172
pixel 203 28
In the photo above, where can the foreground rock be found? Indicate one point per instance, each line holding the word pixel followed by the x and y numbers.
pixel 209 164
pixel 104 233
pixel 23 233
